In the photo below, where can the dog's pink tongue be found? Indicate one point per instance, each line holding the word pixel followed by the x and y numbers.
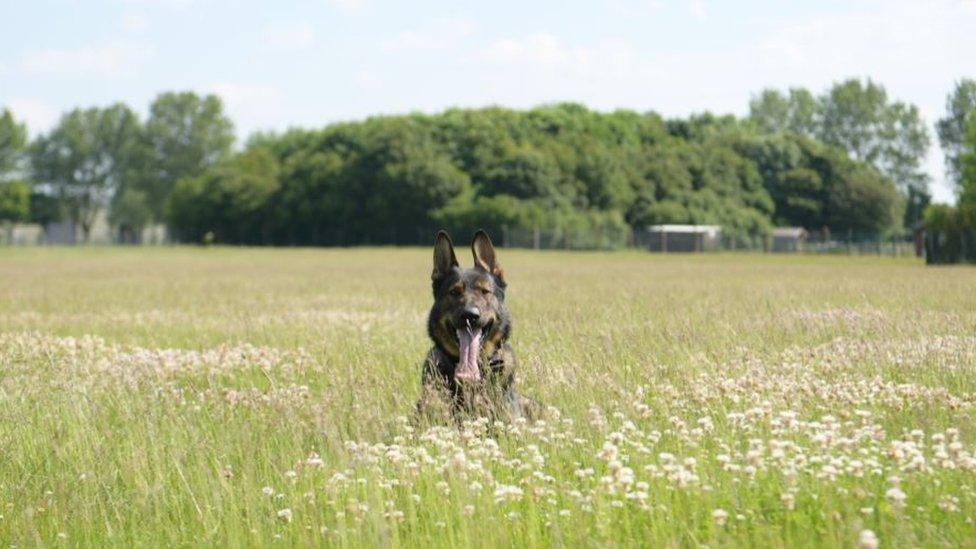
pixel 469 340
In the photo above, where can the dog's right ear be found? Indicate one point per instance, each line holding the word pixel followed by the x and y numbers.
pixel 444 258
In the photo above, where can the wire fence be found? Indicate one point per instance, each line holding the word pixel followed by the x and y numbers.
pixel 690 241
pixel 945 247
pixel 940 247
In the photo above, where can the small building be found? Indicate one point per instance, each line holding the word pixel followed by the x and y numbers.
pixel 683 238
pixel 788 239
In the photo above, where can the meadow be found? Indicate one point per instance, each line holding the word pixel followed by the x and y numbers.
pixel 240 397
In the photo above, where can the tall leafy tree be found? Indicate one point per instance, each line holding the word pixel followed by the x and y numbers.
pixel 859 118
pixel 960 104
pixel 186 134
pixel 773 111
pixel 14 194
pixel 13 140
pixel 967 170
pixel 14 205
pixel 88 156
pixel 230 201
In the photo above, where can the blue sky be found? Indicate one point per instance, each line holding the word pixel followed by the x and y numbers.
pixel 308 63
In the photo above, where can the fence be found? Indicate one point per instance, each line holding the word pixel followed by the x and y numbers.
pixel 956 246
pixel 566 239
pixel 849 243
pixel 941 247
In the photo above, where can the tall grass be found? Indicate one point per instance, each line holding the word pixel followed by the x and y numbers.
pixel 244 397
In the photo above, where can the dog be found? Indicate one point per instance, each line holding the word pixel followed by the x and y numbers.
pixel 470 370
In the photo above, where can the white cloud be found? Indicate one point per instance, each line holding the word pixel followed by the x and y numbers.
pixel 697 8
pixel 103 60
pixel 438 35
pixel 543 49
pixel 134 22
pixel 38 115
pixel 296 36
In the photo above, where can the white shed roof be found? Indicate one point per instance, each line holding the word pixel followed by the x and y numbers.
pixel 793 232
pixel 693 229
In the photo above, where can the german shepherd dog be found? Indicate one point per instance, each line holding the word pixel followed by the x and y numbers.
pixel 470 370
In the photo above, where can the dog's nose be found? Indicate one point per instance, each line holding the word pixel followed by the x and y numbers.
pixel 471 313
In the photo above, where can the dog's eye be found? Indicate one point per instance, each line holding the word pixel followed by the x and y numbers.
pixel 456 291
pixel 485 291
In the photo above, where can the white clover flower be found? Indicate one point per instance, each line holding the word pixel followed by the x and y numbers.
pixel 267 490
pixel 314 460
pixel 720 516
pixel 867 540
pixel 285 515
pixel 896 497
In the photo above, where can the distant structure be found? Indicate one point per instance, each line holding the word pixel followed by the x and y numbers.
pixel 788 239
pixel 683 238
pixel 68 233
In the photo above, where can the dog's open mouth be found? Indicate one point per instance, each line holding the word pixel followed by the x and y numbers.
pixel 470 338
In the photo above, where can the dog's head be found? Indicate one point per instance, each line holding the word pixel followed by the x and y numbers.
pixel 468 320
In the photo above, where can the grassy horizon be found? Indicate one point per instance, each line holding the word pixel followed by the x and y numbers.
pixel 249 396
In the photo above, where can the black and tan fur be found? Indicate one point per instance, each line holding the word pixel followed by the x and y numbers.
pixel 475 293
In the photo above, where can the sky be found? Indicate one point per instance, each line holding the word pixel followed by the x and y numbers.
pixel 311 62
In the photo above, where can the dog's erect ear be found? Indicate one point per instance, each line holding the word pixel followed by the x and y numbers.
pixel 484 256
pixel 444 258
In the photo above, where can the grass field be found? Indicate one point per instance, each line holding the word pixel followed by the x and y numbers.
pixel 186 397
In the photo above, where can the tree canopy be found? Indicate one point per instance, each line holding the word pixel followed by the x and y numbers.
pixel 960 104
pixel 858 117
pixel 562 168
pixel 847 160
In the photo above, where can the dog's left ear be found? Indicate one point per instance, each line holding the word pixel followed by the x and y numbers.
pixel 484 256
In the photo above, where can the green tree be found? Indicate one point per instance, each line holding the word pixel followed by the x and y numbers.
pixel 524 173
pixel 773 112
pixel 186 134
pixel 960 104
pixel 14 194
pixel 859 118
pixel 88 156
pixel 230 200
pixel 129 214
pixel 14 205
pixel 13 140
pixel 863 200
pixel 967 166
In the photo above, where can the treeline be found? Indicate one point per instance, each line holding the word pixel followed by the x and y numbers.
pixel 951 229
pixel 847 160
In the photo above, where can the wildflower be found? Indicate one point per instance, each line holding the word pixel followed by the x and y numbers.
pixel 267 490
pixel 284 515
pixel 896 497
pixel 720 516
pixel 867 540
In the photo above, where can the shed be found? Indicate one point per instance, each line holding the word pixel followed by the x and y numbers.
pixel 683 238
pixel 788 239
